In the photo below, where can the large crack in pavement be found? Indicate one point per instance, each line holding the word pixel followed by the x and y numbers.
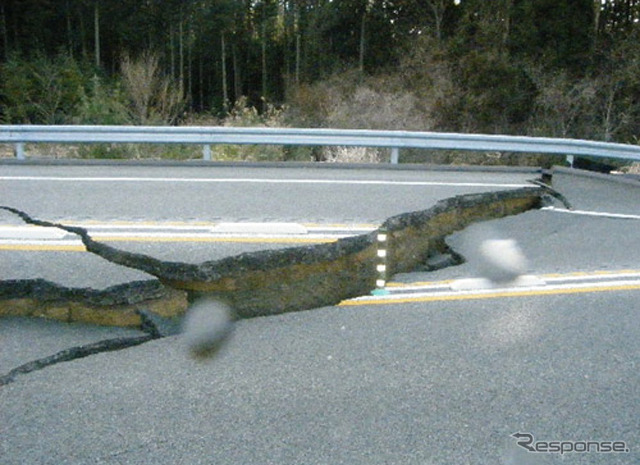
pixel 257 283
pixel 299 278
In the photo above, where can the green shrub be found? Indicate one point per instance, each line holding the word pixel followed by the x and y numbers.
pixel 103 104
pixel 42 90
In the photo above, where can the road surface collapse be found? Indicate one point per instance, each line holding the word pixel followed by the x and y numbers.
pixel 254 284
pixel 265 282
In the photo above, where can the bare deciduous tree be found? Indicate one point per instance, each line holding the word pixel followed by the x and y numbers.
pixel 155 98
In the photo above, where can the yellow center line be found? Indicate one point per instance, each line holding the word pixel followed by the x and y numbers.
pixel 399 285
pixel 241 240
pixel 187 224
pixel 266 240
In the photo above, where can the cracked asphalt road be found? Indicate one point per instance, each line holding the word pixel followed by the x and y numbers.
pixel 421 382
pixel 27 339
pixel 146 194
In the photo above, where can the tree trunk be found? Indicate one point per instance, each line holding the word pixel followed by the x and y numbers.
pixel 3 31
pixel 83 36
pixel 201 82
pixel 298 43
pixel 181 53
pixel 264 65
pixel 363 30
pixel 237 80
pixel 69 29
pixel 437 8
pixel 225 94
pixel 172 55
pixel 190 67
pixel 96 30
pixel 507 26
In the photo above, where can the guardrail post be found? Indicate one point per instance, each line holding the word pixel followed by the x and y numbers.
pixel 570 159
pixel 395 155
pixel 19 150
pixel 206 152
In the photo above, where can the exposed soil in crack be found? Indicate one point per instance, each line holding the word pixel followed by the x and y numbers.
pixel 551 192
pixel 300 278
pixel 258 283
pixel 442 256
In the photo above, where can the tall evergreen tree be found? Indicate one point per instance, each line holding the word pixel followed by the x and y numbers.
pixel 558 33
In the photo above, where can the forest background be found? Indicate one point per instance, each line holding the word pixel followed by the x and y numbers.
pixel 556 68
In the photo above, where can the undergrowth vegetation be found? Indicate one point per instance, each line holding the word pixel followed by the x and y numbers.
pixel 552 68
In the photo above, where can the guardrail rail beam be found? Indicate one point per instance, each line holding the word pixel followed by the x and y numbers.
pixel 394 140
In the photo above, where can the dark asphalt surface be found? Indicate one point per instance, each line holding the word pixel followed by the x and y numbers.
pixel 25 339
pixel 234 193
pixel 414 383
pixel 421 384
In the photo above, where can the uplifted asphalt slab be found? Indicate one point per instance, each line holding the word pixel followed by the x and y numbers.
pixel 593 191
pixel 552 242
pixel 601 234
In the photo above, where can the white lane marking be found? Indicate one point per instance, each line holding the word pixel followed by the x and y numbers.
pixel 525 281
pixel 592 276
pixel 212 232
pixel 262 181
pixel 30 232
pixel 593 213
pixel 166 237
pixel 98 227
pixel 259 228
pixel 39 242
pixel 95 227
pixel 21 237
pixel 471 284
pixel 158 237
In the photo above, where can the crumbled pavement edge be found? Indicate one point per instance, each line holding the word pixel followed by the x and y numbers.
pixel 114 306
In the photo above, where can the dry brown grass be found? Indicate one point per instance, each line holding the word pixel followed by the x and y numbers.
pixel 155 98
pixel 633 168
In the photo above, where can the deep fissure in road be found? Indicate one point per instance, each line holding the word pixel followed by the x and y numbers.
pixel 254 284
pixel 271 281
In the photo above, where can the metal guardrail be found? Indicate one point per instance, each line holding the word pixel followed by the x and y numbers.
pixel 395 140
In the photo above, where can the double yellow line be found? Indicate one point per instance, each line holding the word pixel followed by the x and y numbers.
pixel 173 239
pixel 629 285
pixel 177 237
pixel 390 300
